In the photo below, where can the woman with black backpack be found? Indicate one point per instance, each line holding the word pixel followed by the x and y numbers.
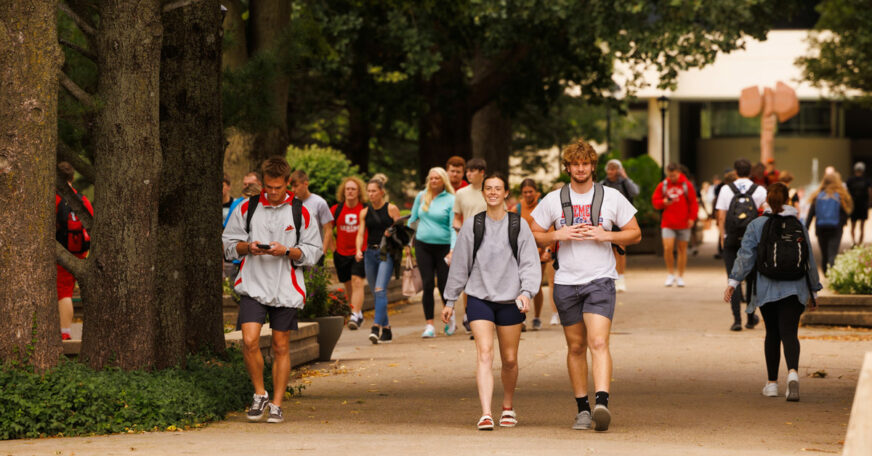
pixel 777 245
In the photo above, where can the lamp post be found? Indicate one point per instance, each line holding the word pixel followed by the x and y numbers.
pixel 663 104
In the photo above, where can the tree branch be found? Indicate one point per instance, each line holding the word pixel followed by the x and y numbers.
pixel 83 25
pixel 65 153
pixel 67 193
pixel 77 92
pixel 79 268
pixel 78 49
pixel 179 4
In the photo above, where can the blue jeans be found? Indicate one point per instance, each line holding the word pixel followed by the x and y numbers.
pixel 378 274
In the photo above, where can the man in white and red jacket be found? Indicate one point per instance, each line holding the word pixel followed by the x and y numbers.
pixel 676 197
pixel 270 280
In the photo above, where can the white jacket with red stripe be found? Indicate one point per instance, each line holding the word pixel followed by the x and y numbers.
pixel 271 280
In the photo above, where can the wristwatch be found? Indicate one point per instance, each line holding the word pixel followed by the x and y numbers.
pixel 288 252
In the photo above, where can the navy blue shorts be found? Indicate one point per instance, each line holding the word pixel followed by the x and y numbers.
pixel 501 314
pixel 280 318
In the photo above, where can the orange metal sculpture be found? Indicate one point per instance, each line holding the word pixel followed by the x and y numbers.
pixel 772 106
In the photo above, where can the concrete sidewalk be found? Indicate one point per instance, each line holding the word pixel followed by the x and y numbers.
pixel 683 384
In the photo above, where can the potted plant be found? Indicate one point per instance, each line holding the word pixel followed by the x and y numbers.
pixel 328 308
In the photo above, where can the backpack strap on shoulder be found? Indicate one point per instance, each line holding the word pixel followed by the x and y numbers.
pixel 339 206
pixel 514 231
pixel 566 204
pixel 734 189
pixel 297 213
pixel 597 204
pixel 477 233
pixel 252 205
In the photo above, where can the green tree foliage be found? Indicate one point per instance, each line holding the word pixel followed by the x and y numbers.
pixel 841 47
pixel 325 167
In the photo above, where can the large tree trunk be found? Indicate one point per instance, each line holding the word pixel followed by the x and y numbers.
pixel 29 64
pixel 121 305
pixel 269 18
pixel 359 134
pixel 236 53
pixel 492 138
pixel 190 215
pixel 444 128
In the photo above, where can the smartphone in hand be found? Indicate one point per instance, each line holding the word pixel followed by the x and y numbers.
pixel 264 246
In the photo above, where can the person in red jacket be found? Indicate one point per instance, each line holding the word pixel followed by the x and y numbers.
pixel 676 197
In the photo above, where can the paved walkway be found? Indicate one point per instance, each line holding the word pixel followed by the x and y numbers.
pixel 683 384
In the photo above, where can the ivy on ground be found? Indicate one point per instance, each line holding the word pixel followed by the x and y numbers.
pixel 73 399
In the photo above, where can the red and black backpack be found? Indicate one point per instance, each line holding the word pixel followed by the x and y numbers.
pixel 69 230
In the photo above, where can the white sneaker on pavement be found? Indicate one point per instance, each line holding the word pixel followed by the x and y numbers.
pixel 670 280
pixel 679 281
pixel 770 390
pixel 555 319
pixel 620 285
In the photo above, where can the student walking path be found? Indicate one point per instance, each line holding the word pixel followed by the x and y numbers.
pixel 683 384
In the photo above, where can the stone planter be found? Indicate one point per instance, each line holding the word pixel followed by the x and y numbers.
pixel 329 330
pixel 841 310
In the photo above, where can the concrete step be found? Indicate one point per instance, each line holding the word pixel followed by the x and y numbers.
pixel 837 318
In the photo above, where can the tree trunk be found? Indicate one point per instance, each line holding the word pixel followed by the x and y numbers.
pixel 29 64
pixel 120 306
pixel 190 203
pixel 444 128
pixel 359 134
pixel 236 53
pixel 492 138
pixel 269 18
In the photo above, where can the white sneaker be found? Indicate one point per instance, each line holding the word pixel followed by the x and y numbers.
pixel 770 390
pixel 429 332
pixel 792 392
pixel 620 284
pixel 555 319
pixel 679 281
pixel 670 279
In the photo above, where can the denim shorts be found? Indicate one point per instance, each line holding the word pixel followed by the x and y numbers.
pixel 573 301
pixel 501 314
pixel 681 235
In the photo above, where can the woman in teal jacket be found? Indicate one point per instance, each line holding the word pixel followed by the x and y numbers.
pixel 434 240
pixel 781 302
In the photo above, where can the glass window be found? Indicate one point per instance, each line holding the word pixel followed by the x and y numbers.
pixel 813 119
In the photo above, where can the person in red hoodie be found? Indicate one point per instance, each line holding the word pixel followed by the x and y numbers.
pixel 676 197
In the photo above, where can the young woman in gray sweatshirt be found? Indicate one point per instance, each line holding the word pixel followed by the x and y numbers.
pixel 499 290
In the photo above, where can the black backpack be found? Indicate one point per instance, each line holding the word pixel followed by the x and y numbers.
pixel 296 210
pixel 742 210
pixel 782 253
pixel 69 230
pixel 478 233
pixel 595 208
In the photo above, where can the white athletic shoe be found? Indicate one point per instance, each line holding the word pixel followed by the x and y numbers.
pixel 555 319
pixel 770 390
pixel 792 392
pixel 679 281
pixel 670 280
pixel 620 285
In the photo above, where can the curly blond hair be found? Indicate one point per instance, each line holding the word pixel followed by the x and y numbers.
pixel 579 152
pixel 340 189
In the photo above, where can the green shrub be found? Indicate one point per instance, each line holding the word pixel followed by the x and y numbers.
pixel 73 399
pixel 320 300
pixel 851 273
pixel 325 167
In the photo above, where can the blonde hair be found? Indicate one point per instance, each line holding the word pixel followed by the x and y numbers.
pixel 428 196
pixel 831 184
pixel 340 190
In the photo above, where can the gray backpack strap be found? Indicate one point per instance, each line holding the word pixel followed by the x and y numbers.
pixel 566 204
pixel 597 204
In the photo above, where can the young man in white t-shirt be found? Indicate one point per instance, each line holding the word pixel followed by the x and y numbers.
pixel 318 207
pixel 731 244
pixel 468 201
pixel 584 287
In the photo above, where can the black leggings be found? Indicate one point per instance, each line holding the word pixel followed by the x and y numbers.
pixel 434 271
pixel 782 322
pixel 828 241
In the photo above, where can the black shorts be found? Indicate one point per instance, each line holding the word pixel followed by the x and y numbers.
pixel 573 301
pixel 501 314
pixel 280 318
pixel 347 266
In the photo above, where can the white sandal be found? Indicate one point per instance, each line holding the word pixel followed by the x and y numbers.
pixel 508 418
pixel 486 423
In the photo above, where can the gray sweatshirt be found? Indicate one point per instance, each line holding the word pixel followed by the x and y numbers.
pixel 496 275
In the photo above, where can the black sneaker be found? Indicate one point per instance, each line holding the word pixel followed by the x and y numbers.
pixel 258 407
pixel 753 319
pixel 355 322
pixel 373 335
pixel 466 325
pixel 275 414
pixel 386 336
pixel 736 326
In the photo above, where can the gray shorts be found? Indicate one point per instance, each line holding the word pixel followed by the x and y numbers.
pixel 573 301
pixel 280 318
pixel 681 235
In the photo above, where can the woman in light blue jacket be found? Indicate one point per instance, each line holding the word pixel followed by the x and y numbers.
pixel 781 302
